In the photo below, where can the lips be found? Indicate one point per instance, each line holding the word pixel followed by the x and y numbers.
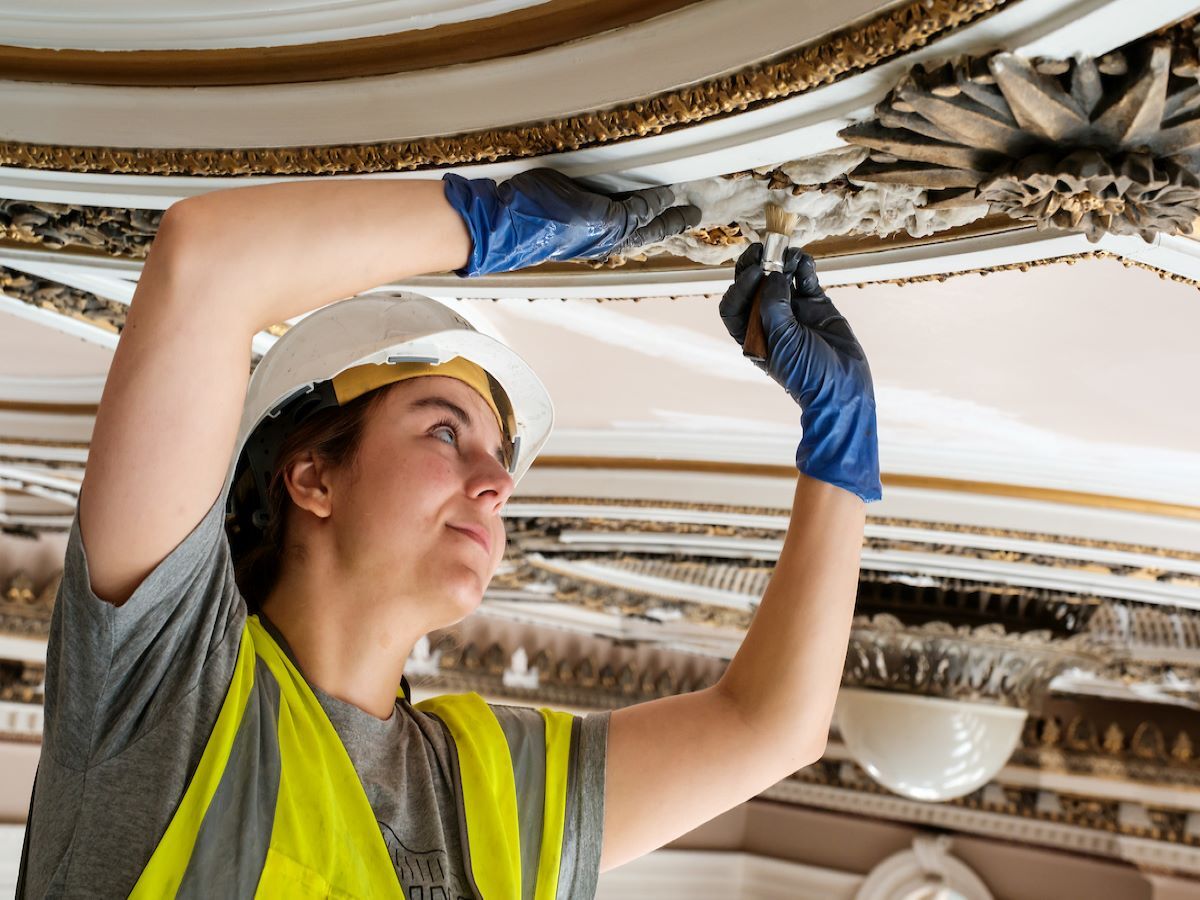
pixel 477 534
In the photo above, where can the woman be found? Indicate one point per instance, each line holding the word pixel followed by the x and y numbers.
pixel 221 731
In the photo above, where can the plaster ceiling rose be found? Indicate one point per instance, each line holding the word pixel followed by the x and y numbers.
pixel 1107 145
pixel 933 712
pixel 926 871
pixel 927 748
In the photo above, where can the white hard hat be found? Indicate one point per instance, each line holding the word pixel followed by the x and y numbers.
pixel 295 379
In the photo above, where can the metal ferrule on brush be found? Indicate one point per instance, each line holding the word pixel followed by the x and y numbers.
pixel 773 247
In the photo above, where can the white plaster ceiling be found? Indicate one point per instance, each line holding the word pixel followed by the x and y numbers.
pixel 1078 377
pixel 1065 376
pixel 35 353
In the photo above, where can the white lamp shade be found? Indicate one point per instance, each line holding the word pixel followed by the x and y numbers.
pixel 927 748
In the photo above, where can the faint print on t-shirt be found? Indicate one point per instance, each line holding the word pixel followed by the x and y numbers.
pixel 423 872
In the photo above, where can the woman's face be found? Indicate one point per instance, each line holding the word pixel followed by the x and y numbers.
pixel 418 514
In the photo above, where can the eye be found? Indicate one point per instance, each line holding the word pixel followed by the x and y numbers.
pixel 446 427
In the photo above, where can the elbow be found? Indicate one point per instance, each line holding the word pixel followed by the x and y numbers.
pixel 815 750
pixel 172 237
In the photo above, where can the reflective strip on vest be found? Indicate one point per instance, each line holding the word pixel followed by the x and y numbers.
pixel 275 807
pixel 164 873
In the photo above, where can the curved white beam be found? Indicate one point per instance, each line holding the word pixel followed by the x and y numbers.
pixel 600 72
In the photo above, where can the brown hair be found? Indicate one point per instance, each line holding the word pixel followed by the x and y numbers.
pixel 334 434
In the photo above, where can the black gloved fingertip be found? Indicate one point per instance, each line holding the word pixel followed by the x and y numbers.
pixel 751 256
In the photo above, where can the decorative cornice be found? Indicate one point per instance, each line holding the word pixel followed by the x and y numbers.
pixel 1089 824
pixel 106 230
pixel 83 306
pixel 892 33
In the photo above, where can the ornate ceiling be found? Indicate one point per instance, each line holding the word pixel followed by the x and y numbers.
pixel 1038 546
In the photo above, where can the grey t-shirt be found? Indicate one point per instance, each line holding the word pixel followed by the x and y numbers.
pixel 132 693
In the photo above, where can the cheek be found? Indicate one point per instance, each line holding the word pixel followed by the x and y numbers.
pixel 405 495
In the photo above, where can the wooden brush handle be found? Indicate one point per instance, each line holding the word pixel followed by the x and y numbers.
pixel 755 342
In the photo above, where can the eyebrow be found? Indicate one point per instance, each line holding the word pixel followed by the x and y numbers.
pixel 463 417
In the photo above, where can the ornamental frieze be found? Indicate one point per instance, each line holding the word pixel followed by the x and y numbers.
pixel 984 663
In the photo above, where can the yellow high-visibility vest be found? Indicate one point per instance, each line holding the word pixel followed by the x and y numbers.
pixel 276 809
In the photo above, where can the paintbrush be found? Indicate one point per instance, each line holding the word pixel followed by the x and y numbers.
pixel 780 224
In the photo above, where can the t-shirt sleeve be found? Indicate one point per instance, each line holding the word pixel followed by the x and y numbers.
pixel 582 794
pixel 112 672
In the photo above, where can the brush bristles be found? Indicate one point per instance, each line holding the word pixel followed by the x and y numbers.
pixel 780 221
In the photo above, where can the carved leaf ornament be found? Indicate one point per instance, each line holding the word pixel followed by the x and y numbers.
pixel 1108 145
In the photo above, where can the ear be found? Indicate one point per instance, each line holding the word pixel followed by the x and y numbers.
pixel 308 484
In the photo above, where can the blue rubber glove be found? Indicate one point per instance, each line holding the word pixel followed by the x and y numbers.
pixel 812 352
pixel 541 215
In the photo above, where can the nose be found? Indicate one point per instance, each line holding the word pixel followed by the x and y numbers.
pixel 490 482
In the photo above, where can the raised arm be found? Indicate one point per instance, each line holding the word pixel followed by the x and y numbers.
pixel 676 762
pixel 227 264
pixel 223 266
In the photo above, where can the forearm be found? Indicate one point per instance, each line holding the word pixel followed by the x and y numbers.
pixel 785 676
pixel 280 250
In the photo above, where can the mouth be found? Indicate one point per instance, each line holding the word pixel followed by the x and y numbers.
pixel 475 533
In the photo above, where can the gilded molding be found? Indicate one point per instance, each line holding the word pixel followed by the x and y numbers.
pixel 1068 259
pixel 892 33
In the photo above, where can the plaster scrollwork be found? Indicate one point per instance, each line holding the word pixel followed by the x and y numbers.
pixel 983 663
pixel 1098 146
pixel 815 190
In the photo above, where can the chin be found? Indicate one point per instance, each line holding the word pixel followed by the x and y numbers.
pixel 463 598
